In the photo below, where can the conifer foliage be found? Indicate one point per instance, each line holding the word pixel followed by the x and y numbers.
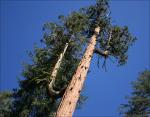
pixel 35 97
pixel 106 40
pixel 5 103
pixel 139 102
pixel 39 92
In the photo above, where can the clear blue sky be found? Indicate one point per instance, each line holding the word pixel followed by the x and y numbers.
pixel 21 26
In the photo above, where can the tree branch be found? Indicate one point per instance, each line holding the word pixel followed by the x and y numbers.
pixel 53 92
pixel 102 53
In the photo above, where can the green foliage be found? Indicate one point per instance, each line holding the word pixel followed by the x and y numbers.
pixel 97 15
pixel 5 104
pixel 120 42
pixel 121 38
pixel 75 22
pixel 34 102
pixel 32 98
pixel 139 102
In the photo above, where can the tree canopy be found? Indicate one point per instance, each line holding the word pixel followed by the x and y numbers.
pixel 32 97
pixel 113 38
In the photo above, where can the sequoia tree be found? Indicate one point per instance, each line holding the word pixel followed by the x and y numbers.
pixel 53 65
pixel 34 97
pixel 106 40
pixel 139 102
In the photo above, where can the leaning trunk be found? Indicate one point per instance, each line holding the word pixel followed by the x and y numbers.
pixel 72 93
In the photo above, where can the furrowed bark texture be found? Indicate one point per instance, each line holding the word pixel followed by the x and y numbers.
pixel 55 71
pixel 72 93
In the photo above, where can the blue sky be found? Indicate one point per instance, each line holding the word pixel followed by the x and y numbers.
pixel 21 27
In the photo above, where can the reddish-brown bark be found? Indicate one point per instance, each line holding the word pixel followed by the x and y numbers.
pixel 71 96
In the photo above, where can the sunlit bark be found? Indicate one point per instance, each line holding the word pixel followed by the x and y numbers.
pixel 72 93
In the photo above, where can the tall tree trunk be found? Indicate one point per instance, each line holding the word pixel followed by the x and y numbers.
pixel 72 93
pixel 55 71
